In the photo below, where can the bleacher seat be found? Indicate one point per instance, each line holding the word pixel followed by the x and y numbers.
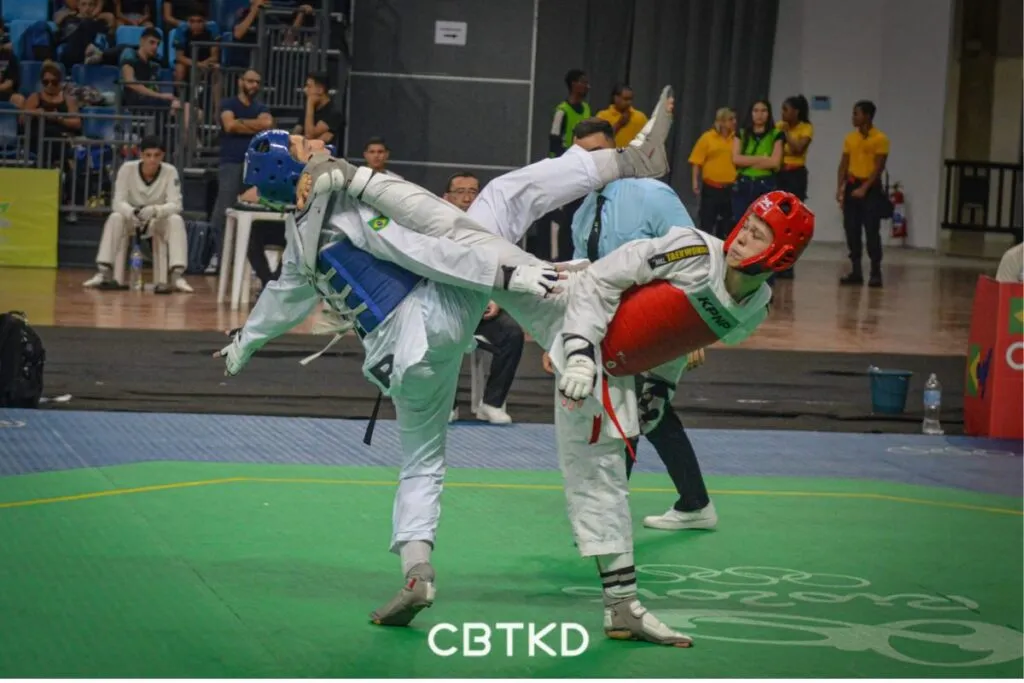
pixel 27 10
pixel 15 30
pixel 99 129
pixel 30 77
pixel 103 77
pixel 130 35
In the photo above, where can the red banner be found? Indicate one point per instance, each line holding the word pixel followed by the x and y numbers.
pixel 994 383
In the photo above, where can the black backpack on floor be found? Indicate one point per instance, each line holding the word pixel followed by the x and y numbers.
pixel 21 362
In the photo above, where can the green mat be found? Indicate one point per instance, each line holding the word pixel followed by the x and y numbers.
pixel 219 570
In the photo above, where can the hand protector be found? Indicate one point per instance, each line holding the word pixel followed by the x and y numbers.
pixel 539 280
pixel 577 382
pixel 235 356
pixel 655 398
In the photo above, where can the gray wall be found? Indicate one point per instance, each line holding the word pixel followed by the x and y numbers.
pixel 715 52
pixel 442 107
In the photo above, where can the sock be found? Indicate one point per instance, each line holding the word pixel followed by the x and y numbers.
pixel 105 270
pixel 414 553
pixel 618 576
pixel 176 273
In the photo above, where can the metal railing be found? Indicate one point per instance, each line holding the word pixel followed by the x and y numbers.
pixel 982 196
pixel 90 157
pixel 88 154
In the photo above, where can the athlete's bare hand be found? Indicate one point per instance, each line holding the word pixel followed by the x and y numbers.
pixel 545 361
pixel 695 359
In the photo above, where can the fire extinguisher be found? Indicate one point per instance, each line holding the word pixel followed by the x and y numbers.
pixel 899 212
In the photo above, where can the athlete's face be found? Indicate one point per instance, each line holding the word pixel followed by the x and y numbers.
pixel 753 238
pixel 595 141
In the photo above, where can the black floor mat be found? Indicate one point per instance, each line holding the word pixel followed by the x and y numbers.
pixel 165 371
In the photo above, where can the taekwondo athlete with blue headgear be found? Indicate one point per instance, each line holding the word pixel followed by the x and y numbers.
pixel 415 313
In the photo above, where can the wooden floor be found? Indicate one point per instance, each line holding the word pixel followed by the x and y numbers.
pixel 925 307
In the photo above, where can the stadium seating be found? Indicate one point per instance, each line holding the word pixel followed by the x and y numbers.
pixel 26 10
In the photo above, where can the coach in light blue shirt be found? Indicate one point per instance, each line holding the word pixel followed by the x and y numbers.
pixel 620 212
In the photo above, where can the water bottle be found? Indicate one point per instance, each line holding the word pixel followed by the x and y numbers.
pixel 932 406
pixel 135 264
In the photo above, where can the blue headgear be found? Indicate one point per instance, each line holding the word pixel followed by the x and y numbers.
pixel 271 168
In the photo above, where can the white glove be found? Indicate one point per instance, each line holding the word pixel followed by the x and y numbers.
pixel 235 356
pixel 577 381
pixel 539 280
pixel 147 213
pixel 655 398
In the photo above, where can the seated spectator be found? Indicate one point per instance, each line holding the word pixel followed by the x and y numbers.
pixel 197 31
pixel 10 72
pixel 147 198
pixel 497 326
pixel 140 69
pixel 323 120
pixel 80 25
pixel 135 13
pixel 175 13
pixel 376 154
pixel 52 98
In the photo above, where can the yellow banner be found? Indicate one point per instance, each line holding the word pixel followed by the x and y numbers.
pixel 29 216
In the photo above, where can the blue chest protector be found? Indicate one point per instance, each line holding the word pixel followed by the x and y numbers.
pixel 370 288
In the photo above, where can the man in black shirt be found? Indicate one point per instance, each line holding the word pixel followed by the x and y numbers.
pixel 140 68
pixel 207 56
pixel 322 120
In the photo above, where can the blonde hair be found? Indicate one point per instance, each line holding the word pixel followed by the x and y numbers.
pixel 722 115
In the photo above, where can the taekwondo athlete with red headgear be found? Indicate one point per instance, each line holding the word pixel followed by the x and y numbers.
pixel 642 309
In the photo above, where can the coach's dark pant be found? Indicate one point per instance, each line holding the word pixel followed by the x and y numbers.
pixel 673 445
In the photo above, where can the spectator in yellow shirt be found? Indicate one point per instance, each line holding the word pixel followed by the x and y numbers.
pixel 860 192
pixel 798 131
pixel 711 162
pixel 626 121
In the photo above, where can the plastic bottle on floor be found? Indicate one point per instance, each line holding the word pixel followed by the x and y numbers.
pixel 135 265
pixel 932 406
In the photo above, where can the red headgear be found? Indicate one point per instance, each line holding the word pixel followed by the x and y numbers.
pixel 792 224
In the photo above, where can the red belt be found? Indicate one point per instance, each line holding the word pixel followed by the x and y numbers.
pixel 719 186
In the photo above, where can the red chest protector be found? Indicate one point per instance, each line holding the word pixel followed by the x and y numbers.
pixel 654 324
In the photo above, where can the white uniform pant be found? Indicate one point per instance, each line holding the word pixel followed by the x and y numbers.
pixel 433 327
pixel 422 344
pixel 593 464
pixel 169 242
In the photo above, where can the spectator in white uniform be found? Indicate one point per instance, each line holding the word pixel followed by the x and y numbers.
pixel 147 198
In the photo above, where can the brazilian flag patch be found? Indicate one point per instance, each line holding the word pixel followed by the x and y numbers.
pixel 379 223
pixel 678 255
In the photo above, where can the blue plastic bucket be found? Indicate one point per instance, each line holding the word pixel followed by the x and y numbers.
pixel 889 390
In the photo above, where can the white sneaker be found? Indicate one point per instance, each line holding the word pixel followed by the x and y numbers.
pixel 496 416
pixel 673 520
pixel 182 285
pixel 95 281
